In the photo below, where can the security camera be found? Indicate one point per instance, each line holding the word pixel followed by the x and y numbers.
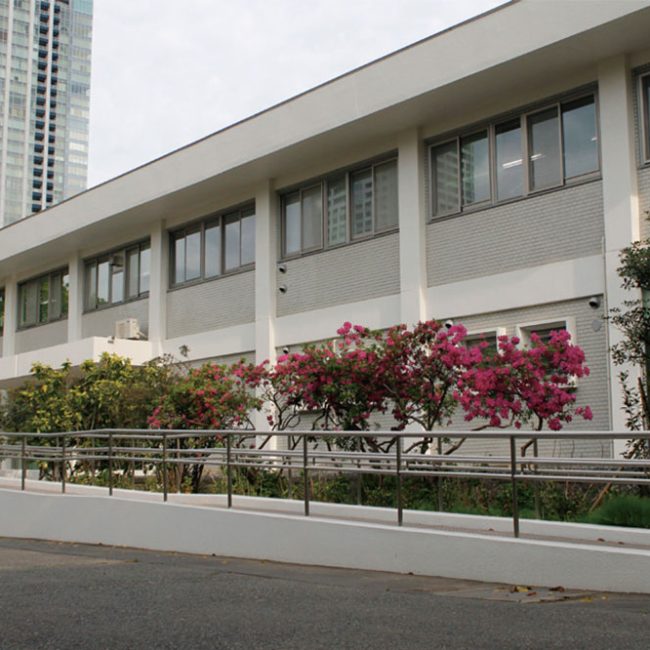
pixel 594 302
pixel 449 323
pixel 285 349
pixel 282 288
pixel 282 268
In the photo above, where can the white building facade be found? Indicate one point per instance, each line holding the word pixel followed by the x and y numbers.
pixel 490 174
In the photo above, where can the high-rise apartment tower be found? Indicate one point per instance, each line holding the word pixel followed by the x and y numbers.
pixel 45 51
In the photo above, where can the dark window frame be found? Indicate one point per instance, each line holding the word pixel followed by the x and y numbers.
pixel 491 126
pixel 63 299
pixel 218 219
pixel 109 256
pixel 322 182
pixel 644 117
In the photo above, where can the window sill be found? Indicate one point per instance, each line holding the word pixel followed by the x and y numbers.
pixel 584 180
pixel 144 296
pixel 198 281
pixel 352 242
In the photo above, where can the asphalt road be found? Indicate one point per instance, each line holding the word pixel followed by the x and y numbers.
pixel 67 596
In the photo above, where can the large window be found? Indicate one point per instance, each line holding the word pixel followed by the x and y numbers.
pixel 340 208
pixel 115 277
pixel 218 245
pixel 508 159
pixel 43 299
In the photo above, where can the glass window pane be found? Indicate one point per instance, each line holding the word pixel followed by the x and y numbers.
pixel 292 227
pixel 579 137
pixel 117 278
pixel 232 241
pixel 65 293
pixel 91 285
pixel 444 178
pixel 132 273
pixel 361 191
pixel 509 160
pixel 55 297
pixel 43 299
pixel 179 259
pixel 312 217
pixel 248 238
pixel 213 250
pixel 145 268
pixel 386 209
pixel 475 168
pixel 2 312
pixel 193 255
pixel 544 149
pixel 337 211
pixel 646 114
pixel 28 303
pixel 103 269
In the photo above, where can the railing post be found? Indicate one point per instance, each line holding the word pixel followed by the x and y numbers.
pixel 229 467
pixel 110 463
pixel 305 474
pixel 164 466
pixel 441 504
pixel 23 462
pixel 63 463
pixel 398 464
pixel 513 480
pixel 538 508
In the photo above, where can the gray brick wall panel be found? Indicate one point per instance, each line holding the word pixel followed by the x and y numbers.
pixel 359 271
pixel 42 336
pixel 560 225
pixel 102 322
pixel 222 302
pixel 644 200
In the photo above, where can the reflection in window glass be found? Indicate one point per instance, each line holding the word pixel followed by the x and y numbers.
pixel 179 260
pixel 213 250
pixel 337 211
pixel 133 273
pixel 117 279
pixel 580 139
pixel 292 228
pixel 56 290
pixel 29 303
pixel 386 195
pixel 361 190
pixel 544 149
pixel 646 113
pixel 193 255
pixel 43 300
pixel 312 218
pixel 509 161
pixel 103 270
pixel 91 286
pixel 232 242
pixel 248 238
pixel 444 172
pixel 145 269
pixel 475 168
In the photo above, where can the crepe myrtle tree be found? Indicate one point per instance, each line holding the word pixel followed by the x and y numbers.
pixel 633 321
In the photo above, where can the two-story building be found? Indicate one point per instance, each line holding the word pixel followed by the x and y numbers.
pixel 489 174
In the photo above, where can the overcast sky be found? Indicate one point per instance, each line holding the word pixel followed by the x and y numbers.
pixel 167 72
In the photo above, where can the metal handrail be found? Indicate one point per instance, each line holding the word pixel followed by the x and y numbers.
pixel 69 447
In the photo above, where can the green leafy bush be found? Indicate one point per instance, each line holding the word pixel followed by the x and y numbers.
pixel 623 510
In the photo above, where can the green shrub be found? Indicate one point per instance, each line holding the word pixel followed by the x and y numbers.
pixel 623 510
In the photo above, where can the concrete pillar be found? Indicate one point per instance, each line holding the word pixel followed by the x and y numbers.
pixel 412 219
pixel 266 273
pixel 75 298
pixel 620 196
pixel 158 279
pixel 11 318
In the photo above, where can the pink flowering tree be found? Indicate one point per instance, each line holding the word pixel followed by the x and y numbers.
pixel 209 397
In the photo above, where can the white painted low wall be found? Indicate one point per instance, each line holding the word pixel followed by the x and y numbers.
pixel 318 540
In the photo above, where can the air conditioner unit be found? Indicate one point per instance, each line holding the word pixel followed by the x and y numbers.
pixel 128 328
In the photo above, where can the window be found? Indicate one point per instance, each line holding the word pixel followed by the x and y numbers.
pixel 543 329
pixel 645 120
pixel 340 208
pixel 43 299
pixel 2 311
pixel 215 246
pixel 508 159
pixel 115 277
pixel 489 336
